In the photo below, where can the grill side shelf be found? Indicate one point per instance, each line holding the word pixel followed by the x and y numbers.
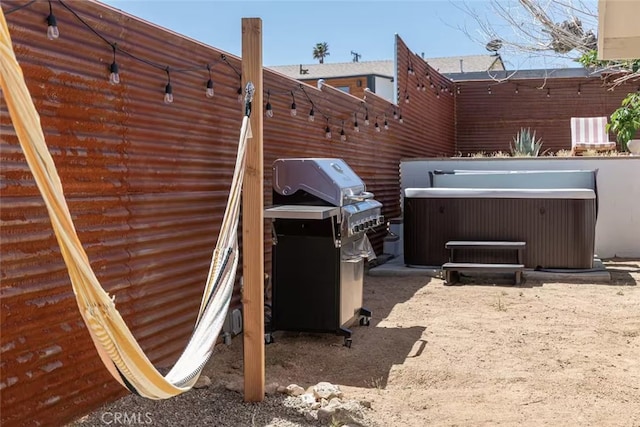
pixel 301 212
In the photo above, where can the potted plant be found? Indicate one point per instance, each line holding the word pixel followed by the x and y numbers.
pixel 625 122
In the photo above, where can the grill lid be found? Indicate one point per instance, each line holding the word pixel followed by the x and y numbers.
pixel 331 180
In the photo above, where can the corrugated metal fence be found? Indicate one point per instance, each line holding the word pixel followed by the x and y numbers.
pixel 146 184
pixel 489 114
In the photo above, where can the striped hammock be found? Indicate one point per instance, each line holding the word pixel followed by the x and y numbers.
pixel 116 345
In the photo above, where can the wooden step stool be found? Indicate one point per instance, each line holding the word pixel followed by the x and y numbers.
pixel 452 268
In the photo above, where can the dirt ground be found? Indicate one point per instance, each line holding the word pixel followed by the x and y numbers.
pixel 536 354
pixel 480 354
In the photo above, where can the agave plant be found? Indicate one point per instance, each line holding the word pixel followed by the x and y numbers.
pixel 525 144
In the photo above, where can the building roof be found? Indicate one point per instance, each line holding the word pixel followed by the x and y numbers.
pixel 470 63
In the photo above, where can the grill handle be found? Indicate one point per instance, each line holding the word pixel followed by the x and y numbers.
pixel 360 197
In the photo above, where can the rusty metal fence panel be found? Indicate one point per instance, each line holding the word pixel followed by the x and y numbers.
pixel 146 184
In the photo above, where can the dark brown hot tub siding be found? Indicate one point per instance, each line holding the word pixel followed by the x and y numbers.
pixel 560 233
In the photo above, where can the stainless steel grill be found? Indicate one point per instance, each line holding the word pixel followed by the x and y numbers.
pixel 321 214
pixel 299 183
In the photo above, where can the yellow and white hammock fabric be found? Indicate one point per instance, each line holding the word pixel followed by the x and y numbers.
pixel 115 343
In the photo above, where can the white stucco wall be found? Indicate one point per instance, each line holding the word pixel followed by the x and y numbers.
pixel 618 182
pixel 384 88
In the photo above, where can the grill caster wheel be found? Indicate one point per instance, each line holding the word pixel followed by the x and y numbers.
pixel 365 321
pixel 348 342
pixel 268 339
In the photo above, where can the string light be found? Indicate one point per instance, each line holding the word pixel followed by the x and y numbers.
pixel 114 75
pixel 168 90
pixel 579 89
pixel 209 92
pixel 52 25
pixel 406 98
pixel 438 92
pixel 343 136
pixel 327 130
pixel 458 90
pixel 366 117
pixel 400 120
pixel 267 108
pixel 423 87
pixel 489 90
pixel 517 91
pixel 294 111
pixel 548 93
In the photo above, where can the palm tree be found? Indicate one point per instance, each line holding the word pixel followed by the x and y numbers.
pixel 320 51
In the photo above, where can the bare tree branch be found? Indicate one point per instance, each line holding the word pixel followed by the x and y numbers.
pixel 560 29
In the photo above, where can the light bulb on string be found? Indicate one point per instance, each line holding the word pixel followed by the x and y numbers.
pixel 327 130
pixel 343 135
pixel 294 110
pixel 406 99
pixel 209 92
pixel 386 123
pixel 268 110
pixel 52 25
pixel 548 93
pixel 489 90
pixel 418 86
pixel 395 114
pixel 458 90
pixel 239 92
pixel 168 90
pixel 517 89
pixel 312 115
pixel 356 128
pixel 400 119
pixel 376 125
pixel 580 89
pixel 114 75
pixel 423 87
pixel 366 118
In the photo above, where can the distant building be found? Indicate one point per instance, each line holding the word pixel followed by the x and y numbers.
pixel 378 76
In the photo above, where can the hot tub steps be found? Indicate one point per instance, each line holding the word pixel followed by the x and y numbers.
pixel 452 268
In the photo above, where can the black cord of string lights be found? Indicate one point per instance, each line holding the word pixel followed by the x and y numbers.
pixel 206 67
pixel 17 8
pixel 118 49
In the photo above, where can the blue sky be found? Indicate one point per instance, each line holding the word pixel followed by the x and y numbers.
pixel 292 28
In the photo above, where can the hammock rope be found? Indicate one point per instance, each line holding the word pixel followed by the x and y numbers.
pixel 116 345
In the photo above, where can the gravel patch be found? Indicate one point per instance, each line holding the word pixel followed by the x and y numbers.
pixel 214 406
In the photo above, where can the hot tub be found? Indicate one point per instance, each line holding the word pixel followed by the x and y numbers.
pixel 558 225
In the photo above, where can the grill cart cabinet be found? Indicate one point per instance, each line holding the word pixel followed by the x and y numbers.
pixel 319 245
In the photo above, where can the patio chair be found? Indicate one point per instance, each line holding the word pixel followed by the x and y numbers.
pixel 589 133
